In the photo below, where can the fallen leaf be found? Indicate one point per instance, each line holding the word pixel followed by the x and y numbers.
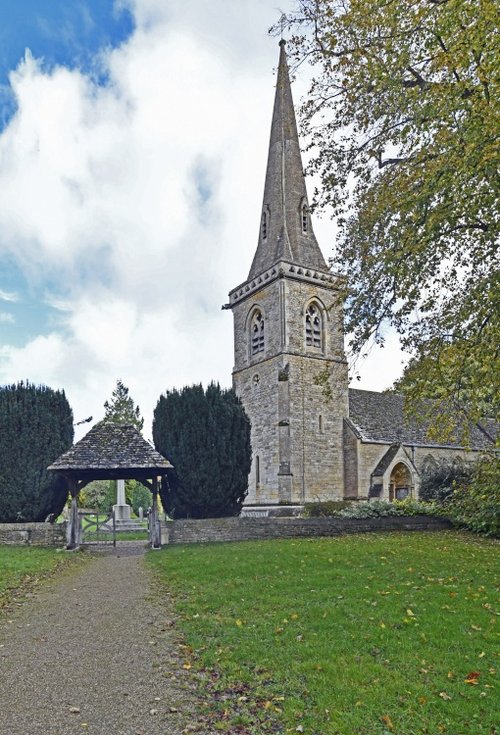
pixel 444 696
pixel 387 722
pixel 472 677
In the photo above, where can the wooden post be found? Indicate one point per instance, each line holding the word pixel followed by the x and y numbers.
pixel 154 521
pixel 74 531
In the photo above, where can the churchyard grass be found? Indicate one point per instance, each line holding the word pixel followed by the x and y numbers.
pixel 371 634
pixel 132 535
pixel 22 566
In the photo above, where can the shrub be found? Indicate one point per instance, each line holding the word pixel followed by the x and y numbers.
pixel 328 508
pixel 413 507
pixel 370 509
pixel 476 504
pixel 206 436
pixel 439 477
pixel 95 495
pixel 140 497
pixel 36 426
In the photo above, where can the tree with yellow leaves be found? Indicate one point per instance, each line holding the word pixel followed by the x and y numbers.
pixel 403 116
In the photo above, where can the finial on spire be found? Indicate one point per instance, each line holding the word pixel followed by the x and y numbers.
pixel 283 20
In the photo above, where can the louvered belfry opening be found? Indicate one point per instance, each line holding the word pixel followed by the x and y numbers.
pixel 257 332
pixel 313 327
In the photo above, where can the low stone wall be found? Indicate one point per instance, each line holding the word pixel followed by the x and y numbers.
pixel 250 529
pixel 33 534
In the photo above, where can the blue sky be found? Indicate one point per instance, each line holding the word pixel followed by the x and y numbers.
pixel 133 145
pixel 58 33
pixel 70 33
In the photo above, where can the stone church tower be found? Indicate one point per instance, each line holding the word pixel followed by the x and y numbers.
pixel 290 370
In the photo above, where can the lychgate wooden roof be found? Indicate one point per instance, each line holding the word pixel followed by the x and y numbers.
pixel 111 451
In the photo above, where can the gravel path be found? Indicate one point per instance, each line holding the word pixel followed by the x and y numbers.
pixel 92 652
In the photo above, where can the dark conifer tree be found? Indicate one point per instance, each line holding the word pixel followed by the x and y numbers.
pixel 122 409
pixel 36 426
pixel 206 436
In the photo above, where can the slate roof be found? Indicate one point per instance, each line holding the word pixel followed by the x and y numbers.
pixel 112 448
pixel 379 417
pixel 386 460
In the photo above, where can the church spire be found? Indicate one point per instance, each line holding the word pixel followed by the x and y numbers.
pixel 286 232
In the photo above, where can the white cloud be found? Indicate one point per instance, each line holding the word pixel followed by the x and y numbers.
pixel 134 208
pixel 8 295
pixel 6 317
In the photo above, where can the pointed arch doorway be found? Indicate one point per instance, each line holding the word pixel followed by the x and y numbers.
pixel 400 482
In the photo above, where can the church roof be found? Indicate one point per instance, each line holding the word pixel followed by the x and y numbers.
pixel 112 450
pixel 285 236
pixel 379 417
pixel 386 460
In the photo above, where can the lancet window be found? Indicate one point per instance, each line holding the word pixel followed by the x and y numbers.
pixel 264 224
pixel 304 217
pixel 314 327
pixel 257 332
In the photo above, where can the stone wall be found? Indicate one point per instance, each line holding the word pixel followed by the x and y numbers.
pixel 250 529
pixel 33 534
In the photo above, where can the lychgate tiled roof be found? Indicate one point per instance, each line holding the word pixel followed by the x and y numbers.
pixel 379 417
pixel 109 446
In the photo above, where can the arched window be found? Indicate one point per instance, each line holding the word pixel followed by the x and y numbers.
pixel 304 217
pixel 314 327
pixel 257 333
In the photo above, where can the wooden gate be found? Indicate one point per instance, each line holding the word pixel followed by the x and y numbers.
pixel 98 528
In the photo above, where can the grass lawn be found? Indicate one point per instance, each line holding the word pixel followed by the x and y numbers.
pixel 92 533
pixel 21 566
pixel 371 634
pixel 132 535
